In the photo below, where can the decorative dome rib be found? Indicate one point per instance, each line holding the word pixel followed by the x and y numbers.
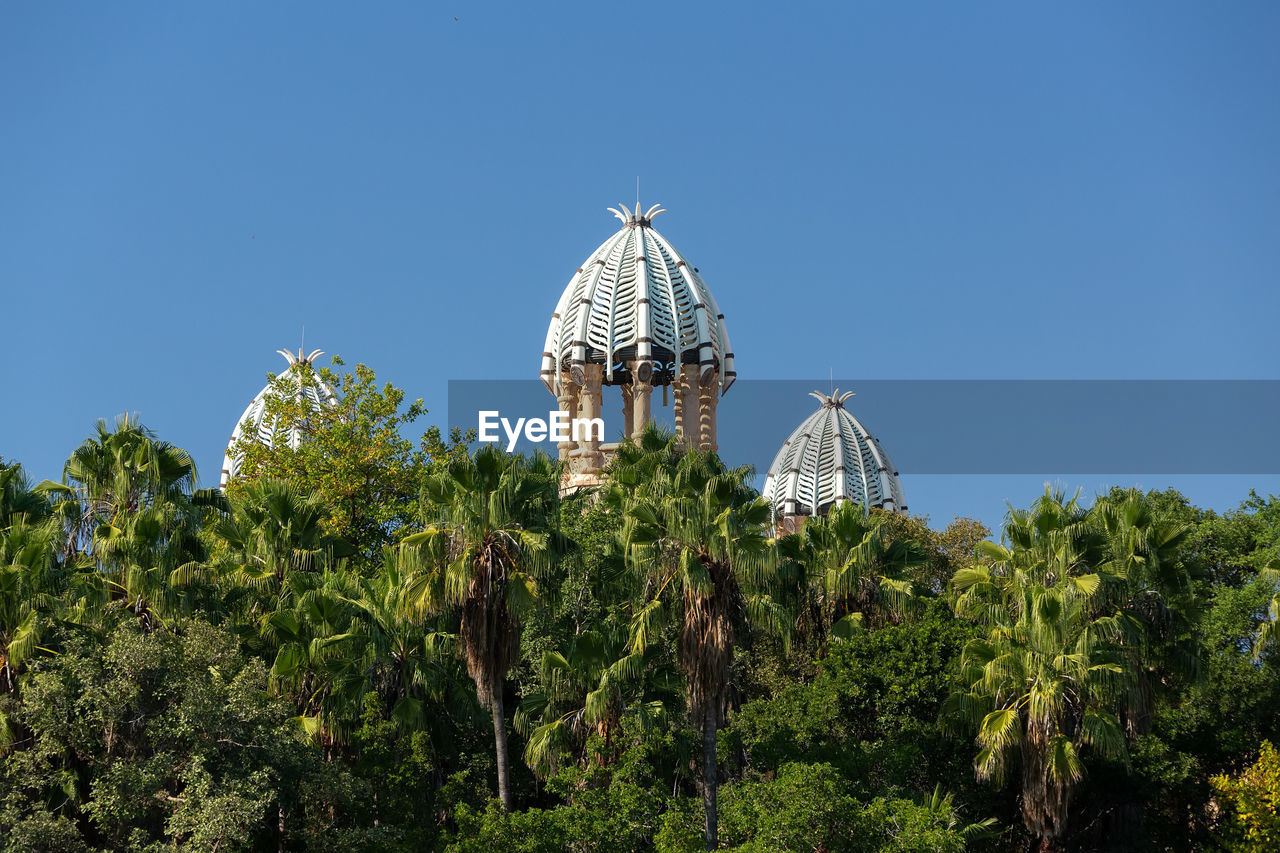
pixel 828 459
pixel 257 423
pixel 636 298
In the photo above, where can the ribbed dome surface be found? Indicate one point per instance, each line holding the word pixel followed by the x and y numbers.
pixel 831 458
pixel 637 299
pixel 255 421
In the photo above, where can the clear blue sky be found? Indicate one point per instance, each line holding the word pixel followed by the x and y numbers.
pixel 953 190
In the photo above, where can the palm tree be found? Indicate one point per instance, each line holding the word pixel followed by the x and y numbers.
pixel 31 579
pixel 846 569
pixel 492 539
pixel 319 655
pixel 270 531
pixel 408 662
pixel 1151 590
pixel 587 690
pixel 127 502
pixel 117 472
pixel 697 536
pixel 17 497
pixel 28 597
pixel 1051 676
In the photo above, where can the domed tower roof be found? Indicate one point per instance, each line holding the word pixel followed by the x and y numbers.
pixel 637 299
pixel 831 458
pixel 256 423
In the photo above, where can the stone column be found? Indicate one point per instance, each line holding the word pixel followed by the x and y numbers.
pixel 641 389
pixel 628 411
pixel 688 401
pixel 708 396
pixel 568 400
pixel 590 457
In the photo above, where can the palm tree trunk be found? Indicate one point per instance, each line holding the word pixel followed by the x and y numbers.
pixel 500 745
pixel 709 777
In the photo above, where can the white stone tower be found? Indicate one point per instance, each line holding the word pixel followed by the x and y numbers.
pixel 636 315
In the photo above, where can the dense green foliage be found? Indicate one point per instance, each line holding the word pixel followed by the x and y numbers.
pixel 453 656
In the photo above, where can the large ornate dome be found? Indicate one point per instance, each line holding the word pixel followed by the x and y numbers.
pixel 831 458
pixel 636 300
pixel 255 422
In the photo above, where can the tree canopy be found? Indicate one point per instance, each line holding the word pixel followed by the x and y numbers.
pixel 371 642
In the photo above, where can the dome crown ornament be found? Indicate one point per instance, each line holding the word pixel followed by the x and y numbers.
pixel 632 220
pixel 828 459
pixel 295 360
pixel 834 400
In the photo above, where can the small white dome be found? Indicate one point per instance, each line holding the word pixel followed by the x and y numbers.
pixel 828 459
pixel 256 423
pixel 636 299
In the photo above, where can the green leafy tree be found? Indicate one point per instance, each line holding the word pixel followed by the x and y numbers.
pixel 1253 799
pixel 161 738
pixel 1202 729
pixel 944 551
pixel 353 455
pixel 871 710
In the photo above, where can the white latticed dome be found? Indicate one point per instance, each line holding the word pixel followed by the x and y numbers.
pixel 636 301
pixel 831 458
pixel 256 423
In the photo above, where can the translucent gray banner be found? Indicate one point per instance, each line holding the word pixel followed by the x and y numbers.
pixel 968 426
